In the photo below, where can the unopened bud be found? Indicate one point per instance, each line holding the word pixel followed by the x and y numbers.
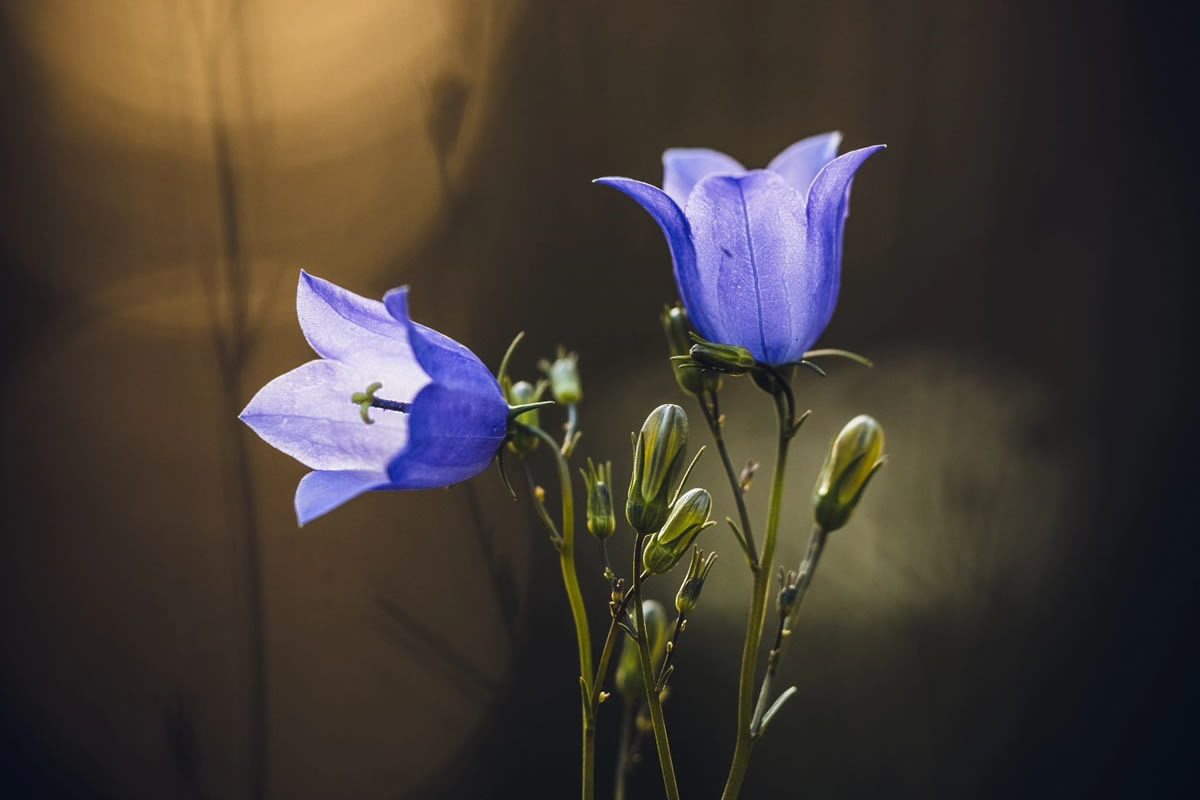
pixel 601 520
pixel 689 590
pixel 520 393
pixel 856 454
pixel 563 373
pixel 629 667
pixel 659 457
pixel 688 517
pixel 678 329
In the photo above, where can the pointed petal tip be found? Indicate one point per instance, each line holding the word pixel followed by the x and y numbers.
pixel 613 180
pixel 308 279
pixel 396 303
pixel 321 491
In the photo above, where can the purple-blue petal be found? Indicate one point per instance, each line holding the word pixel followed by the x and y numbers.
pixel 307 414
pixel 749 236
pixel 698 297
pixel 800 163
pixel 684 167
pixel 453 435
pixel 445 361
pixel 346 327
pixel 320 492
pixel 826 211
pixel 458 422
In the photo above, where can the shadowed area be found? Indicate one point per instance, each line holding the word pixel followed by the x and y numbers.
pixel 1007 614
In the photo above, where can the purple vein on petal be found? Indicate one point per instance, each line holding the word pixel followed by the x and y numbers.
pixel 762 333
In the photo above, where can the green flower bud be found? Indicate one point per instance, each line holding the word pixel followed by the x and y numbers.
pixel 629 669
pixel 688 517
pixel 563 372
pixel 691 377
pixel 856 454
pixel 520 393
pixel 689 590
pixel 601 520
pixel 659 456
pixel 727 358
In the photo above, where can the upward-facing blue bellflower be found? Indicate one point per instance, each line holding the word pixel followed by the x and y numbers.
pixel 391 404
pixel 758 253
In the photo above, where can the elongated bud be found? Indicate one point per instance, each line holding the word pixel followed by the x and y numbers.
pixel 629 670
pixel 520 393
pixel 659 456
pixel 601 520
pixel 678 330
pixel 688 517
pixel 856 454
pixel 689 590
pixel 563 372
pixel 727 358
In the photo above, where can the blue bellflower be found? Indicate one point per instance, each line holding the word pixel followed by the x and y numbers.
pixel 439 420
pixel 758 253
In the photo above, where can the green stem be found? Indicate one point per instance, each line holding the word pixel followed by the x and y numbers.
pixel 610 642
pixel 623 746
pixel 653 701
pixel 713 417
pixel 566 552
pixel 758 609
pixel 816 545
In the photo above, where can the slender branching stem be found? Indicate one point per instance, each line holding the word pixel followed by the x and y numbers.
pixel 711 409
pixel 653 701
pixel 610 642
pixel 566 551
pixel 816 545
pixel 785 411
pixel 672 645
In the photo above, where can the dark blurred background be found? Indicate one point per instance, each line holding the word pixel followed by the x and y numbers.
pixel 1012 611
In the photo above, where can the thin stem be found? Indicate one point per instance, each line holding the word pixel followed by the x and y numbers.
pixel 610 642
pixel 572 427
pixel 653 701
pixel 539 506
pixel 816 545
pixel 784 409
pixel 680 623
pixel 713 417
pixel 623 745
pixel 566 551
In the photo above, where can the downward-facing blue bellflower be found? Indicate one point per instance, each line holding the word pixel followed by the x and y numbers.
pixel 758 253
pixel 443 419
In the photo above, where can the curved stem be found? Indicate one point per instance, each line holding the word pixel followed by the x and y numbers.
pixel 566 551
pixel 758 607
pixel 713 417
pixel 816 545
pixel 653 701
